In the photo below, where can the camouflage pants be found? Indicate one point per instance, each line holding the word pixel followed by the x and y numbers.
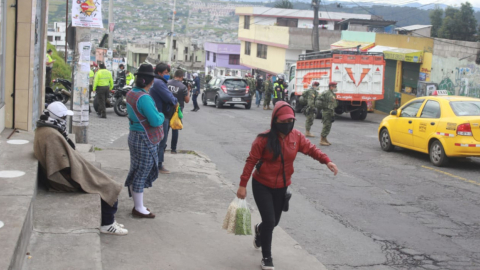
pixel 327 117
pixel 310 114
pixel 267 99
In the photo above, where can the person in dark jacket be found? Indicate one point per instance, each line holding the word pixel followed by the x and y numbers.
pixel 121 76
pixel 166 103
pixel 273 153
pixel 196 92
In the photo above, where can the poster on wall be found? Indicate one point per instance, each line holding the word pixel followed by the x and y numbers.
pixel 87 13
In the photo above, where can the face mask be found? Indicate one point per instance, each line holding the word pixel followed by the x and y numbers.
pixel 166 77
pixel 285 128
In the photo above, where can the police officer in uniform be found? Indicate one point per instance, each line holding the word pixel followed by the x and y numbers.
pixel 310 110
pixel 268 92
pixel 279 89
pixel 121 76
pixel 49 64
pixel 102 84
pixel 129 77
pixel 329 103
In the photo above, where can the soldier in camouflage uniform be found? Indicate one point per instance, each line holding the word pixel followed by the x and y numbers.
pixel 268 91
pixel 251 84
pixel 310 97
pixel 329 103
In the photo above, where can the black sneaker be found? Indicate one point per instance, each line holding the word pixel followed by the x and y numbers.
pixel 257 242
pixel 267 264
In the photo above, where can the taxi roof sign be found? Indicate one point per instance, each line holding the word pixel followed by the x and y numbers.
pixel 440 93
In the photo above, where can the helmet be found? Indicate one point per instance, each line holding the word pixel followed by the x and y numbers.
pixel 332 84
pixel 281 77
pixel 315 84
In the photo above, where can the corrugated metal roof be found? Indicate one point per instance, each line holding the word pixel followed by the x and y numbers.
pixel 412 27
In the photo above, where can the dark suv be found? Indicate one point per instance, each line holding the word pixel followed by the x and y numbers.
pixel 227 90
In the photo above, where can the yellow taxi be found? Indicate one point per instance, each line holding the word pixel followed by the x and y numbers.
pixel 439 125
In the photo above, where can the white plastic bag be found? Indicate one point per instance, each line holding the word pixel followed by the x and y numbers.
pixel 229 220
pixel 243 219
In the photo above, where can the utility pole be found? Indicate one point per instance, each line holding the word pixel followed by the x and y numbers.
pixel 316 44
pixel 110 27
pixel 80 96
pixel 171 34
pixel 66 33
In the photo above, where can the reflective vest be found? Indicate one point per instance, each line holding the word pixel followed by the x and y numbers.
pixel 49 58
pixel 129 78
pixel 278 93
pixel 103 78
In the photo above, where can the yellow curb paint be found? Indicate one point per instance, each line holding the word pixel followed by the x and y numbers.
pixel 452 175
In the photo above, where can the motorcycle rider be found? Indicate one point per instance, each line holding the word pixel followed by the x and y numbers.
pixel 121 77
pixel 279 89
pixel 102 84
pixel 328 103
pixel 310 110
pixel 129 77
pixel 268 91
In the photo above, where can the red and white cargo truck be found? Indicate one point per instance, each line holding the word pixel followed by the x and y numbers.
pixel 359 77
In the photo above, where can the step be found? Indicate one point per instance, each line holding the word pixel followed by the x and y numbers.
pixel 16 197
pixel 84 147
pixel 65 233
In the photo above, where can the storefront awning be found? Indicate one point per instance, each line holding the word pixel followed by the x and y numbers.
pixel 352 45
pixel 393 53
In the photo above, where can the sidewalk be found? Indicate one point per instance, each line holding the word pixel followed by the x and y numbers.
pixel 190 204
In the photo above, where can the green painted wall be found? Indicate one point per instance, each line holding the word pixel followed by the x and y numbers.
pixel 358 36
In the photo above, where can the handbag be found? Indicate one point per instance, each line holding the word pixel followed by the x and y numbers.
pixel 288 193
pixel 175 122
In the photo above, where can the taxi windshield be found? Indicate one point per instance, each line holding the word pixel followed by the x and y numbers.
pixel 466 108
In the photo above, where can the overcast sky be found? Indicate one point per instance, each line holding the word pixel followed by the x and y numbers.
pixel 475 3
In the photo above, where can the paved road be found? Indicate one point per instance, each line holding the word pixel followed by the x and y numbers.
pixel 383 210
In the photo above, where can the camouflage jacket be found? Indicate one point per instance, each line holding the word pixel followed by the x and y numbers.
pixel 268 87
pixel 329 100
pixel 310 96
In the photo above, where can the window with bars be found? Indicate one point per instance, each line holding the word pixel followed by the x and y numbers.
pixel 246 22
pixel 234 59
pixel 262 51
pixel 248 47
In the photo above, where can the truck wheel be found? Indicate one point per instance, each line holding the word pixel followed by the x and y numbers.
pixel 360 113
pixel 295 104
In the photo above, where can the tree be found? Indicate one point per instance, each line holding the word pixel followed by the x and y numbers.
pixel 60 68
pixel 285 4
pixel 458 24
pixel 436 18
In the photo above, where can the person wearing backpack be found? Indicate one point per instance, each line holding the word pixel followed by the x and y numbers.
pixel 272 155
pixel 310 110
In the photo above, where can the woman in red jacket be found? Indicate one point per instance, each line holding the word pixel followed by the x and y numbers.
pixel 272 154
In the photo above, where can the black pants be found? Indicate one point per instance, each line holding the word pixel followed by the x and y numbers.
pixel 270 205
pixel 102 96
pixel 108 213
pixel 195 103
pixel 48 78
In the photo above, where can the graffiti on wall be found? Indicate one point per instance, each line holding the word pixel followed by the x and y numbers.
pixel 461 81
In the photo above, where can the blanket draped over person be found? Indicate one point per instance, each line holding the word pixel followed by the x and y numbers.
pixel 55 154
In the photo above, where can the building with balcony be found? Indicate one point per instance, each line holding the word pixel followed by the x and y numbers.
pixel 223 59
pixel 56 36
pixel 272 38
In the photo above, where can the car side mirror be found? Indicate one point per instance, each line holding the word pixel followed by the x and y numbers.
pixel 394 112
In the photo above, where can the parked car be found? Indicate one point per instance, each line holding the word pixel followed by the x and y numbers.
pixel 227 90
pixel 440 125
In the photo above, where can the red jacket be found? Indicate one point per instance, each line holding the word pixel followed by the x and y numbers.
pixel 271 172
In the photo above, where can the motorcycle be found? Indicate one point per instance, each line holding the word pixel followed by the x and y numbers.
pixel 120 106
pixel 51 96
pixel 115 94
pixel 65 93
